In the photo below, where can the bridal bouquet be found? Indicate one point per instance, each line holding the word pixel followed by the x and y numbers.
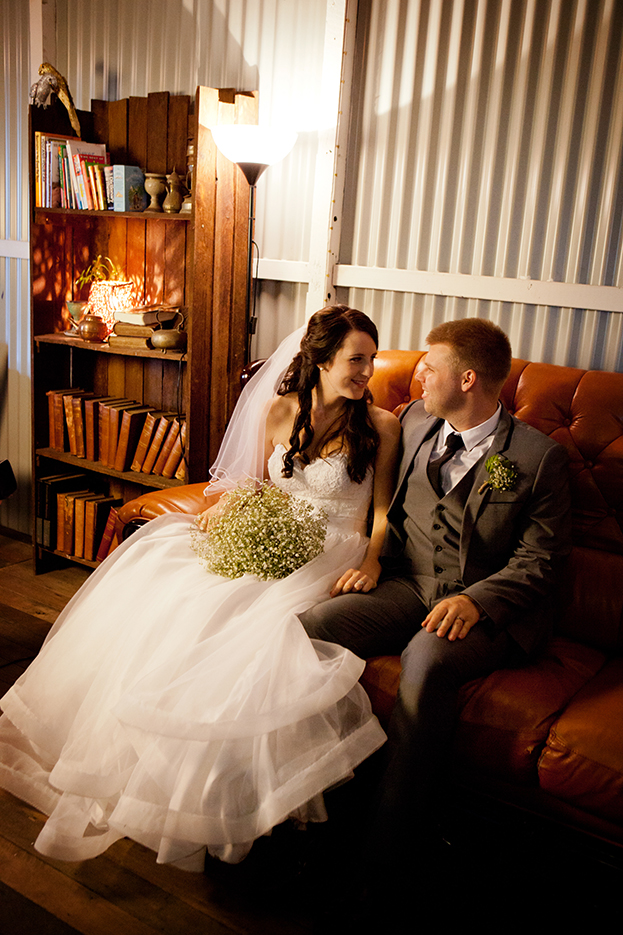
pixel 259 530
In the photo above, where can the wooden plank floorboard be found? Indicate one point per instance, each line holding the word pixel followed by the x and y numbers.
pixel 20 916
pixel 54 892
pixel 229 893
pixel 104 879
pixel 43 596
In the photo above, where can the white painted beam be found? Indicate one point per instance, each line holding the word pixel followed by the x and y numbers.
pixel 14 249
pixel 283 270
pixel 489 288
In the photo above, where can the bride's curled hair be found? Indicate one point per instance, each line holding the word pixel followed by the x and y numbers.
pixel 326 332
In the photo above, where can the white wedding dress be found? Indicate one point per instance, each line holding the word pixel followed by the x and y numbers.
pixel 185 710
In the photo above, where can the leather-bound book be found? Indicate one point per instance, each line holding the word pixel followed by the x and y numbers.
pixel 72 406
pixel 104 427
pixel 95 517
pixel 149 427
pixel 80 504
pixel 115 415
pixel 172 462
pixel 77 404
pixel 107 537
pixel 91 424
pixel 167 447
pixel 78 414
pixel 132 422
pixel 47 488
pixel 123 340
pixel 61 515
pixel 69 422
pixel 126 329
pixel 56 425
pixel 72 502
pixel 156 443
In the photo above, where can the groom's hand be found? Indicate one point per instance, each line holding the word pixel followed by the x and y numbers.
pixel 453 617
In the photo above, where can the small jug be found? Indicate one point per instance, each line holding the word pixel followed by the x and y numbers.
pixel 173 200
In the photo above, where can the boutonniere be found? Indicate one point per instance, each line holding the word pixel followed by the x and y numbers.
pixel 502 474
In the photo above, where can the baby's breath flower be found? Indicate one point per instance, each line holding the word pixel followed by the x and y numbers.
pixel 502 474
pixel 259 530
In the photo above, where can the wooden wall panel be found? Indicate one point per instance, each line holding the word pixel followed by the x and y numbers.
pixel 135 257
pixel 134 383
pixel 117 247
pixel 152 382
pixel 174 260
pixel 170 380
pixel 154 266
pixel 137 132
pixel 177 134
pixel 157 131
pixel 118 132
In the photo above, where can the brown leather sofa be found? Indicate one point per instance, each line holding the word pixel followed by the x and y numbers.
pixel 548 737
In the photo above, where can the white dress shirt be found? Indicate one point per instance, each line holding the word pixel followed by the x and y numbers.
pixel 476 441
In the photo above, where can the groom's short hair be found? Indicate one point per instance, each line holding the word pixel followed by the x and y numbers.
pixel 477 344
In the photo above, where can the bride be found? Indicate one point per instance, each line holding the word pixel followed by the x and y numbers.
pixel 186 710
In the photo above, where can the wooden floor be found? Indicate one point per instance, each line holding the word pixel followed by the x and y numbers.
pixel 123 892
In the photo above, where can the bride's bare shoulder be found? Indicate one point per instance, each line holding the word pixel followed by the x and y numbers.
pixel 283 406
pixel 385 422
pixel 281 414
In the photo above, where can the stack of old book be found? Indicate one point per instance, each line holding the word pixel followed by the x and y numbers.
pixel 75 516
pixel 136 327
pixel 120 433
pixel 161 446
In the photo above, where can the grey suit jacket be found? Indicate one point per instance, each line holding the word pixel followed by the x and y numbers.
pixel 513 542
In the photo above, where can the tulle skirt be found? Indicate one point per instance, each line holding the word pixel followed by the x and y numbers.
pixel 184 710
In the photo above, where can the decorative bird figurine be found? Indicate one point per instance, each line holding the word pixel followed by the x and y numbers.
pixel 52 82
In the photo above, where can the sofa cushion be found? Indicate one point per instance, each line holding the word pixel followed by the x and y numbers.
pixel 393 383
pixel 380 679
pixel 505 718
pixel 582 761
pixel 590 599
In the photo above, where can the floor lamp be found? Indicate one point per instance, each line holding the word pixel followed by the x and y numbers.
pixel 254 149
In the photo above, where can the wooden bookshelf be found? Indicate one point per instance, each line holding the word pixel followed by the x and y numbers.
pixel 196 261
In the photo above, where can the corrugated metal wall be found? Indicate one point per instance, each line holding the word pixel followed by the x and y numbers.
pixel 487 140
pixel 14 272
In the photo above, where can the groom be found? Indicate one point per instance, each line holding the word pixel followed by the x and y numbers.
pixel 470 558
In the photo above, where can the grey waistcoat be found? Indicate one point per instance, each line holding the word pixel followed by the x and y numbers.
pixel 432 528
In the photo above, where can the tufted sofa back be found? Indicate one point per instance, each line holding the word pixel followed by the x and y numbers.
pixel 582 410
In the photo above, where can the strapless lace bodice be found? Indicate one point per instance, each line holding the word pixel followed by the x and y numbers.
pixel 325 483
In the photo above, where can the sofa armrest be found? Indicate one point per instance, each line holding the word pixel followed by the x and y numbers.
pixel 188 499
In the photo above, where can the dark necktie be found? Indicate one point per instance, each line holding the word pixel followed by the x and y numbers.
pixel 453 443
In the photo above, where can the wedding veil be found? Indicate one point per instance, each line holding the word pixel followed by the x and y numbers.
pixel 241 455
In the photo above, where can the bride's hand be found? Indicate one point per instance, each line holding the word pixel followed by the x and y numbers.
pixel 202 519
pixel 360 580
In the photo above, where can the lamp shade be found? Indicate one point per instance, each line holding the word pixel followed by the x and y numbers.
pixel 253 148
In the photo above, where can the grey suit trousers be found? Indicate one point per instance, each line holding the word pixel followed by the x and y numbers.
pixel 388 621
